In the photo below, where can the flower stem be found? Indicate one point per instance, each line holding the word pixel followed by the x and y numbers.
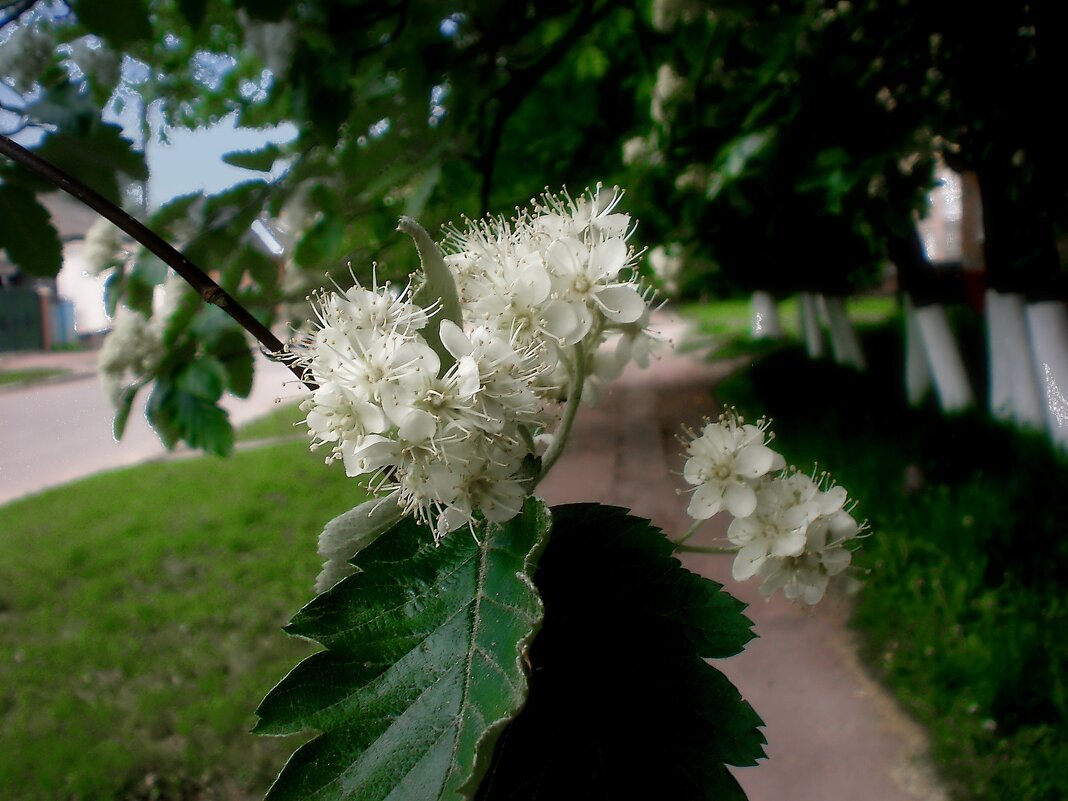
pixel 209 291
pixel 689 533
pixel 577 371
pixel 704 549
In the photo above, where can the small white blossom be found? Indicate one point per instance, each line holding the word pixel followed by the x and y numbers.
pixel 805 575
pixel 131 351
pixel 725 461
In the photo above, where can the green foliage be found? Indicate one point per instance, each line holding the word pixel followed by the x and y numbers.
pixel 96 157
pixel 622 703
pixel 120 22
pixel 425 664
pixel 964 608
pixel 617 672
pixel 27 233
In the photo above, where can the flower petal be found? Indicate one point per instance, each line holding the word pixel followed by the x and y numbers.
pixel 739 499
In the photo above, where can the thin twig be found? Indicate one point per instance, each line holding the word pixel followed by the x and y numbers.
pixel 210 291
pixel 577 374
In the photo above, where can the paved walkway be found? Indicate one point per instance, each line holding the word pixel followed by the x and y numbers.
pixel 833 734
pixel 59 430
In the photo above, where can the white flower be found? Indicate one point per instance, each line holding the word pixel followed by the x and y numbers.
pixel 724 462
pixel 448 442
pixel 103 247
pixel 777 526
pixel 131 351
pixel 805 576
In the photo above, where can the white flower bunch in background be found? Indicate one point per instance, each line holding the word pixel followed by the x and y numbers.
pixel 789 528
pixel 131 351
pixel 439 393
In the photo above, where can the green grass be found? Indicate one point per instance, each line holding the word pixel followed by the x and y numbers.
pixel 284 421
pixel 965 609
pixel 28 376
pixel 727 323
pixel 140 616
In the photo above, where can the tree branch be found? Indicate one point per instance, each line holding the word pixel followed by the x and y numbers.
pixel 210 291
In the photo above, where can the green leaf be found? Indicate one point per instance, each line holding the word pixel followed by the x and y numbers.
pixel 439 288
pixel 122 411
pixel 194 11
pixel 425 664
pixel 349 533
pixel 64 106
pixel 261 160
pixel 204 377
pixel 622 703
pixel 27 233
pixel 149 268
pixel 121 22
pixel 231 350
pixel 114 285
pixel 180 415
pixel 96 158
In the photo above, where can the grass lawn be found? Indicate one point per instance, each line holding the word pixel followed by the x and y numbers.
pixel 965 610
pixel 139 624
pixel 29 375
pixel 727 323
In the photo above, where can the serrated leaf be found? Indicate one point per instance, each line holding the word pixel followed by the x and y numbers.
pixel 204 377
pixel 121 22
pixel 622 704
pixel 232 351
pixel 425 664
pixel 349 533
pixel 261 160
pixel 178 415
pixel 95 158
pixel 27 233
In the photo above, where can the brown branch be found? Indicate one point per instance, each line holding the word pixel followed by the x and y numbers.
pixel 210 291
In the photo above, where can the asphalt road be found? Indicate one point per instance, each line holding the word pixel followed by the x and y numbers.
pixel 54 433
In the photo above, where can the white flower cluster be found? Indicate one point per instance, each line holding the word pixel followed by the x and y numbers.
pixel 131 351
pixel 558 275
pixel 449 422
pixel 788 528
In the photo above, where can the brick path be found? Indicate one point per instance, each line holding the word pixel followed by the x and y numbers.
pixel 833 734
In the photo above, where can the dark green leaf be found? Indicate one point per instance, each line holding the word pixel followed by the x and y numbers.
pixel 149 268
pixel 266 10
pixel 136 294
pixel 182 416
pixel 204 377
pixel 193 11
pixel 27 234
pixel 65 107
pixel 114 285
pixel 122 411
pixel 261 160
pixel 425 664
pixel 622 704
pixel 121 22
pixel 96 158
pixel 232 351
